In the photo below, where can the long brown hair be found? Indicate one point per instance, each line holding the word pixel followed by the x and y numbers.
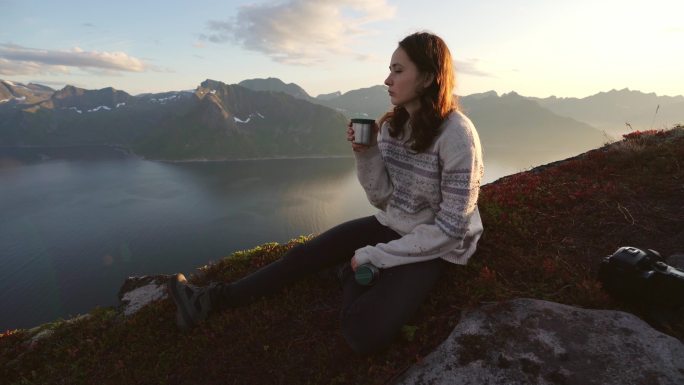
pixel 431 56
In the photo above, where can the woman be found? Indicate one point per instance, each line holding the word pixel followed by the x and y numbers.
pixel 423 173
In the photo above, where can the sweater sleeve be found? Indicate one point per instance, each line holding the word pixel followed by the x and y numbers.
pixel 460 182
pixel 373 176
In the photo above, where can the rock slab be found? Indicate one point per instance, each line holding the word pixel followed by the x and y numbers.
pixel 527 341
pixel 138 292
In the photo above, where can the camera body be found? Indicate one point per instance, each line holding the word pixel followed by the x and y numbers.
pixel 632 273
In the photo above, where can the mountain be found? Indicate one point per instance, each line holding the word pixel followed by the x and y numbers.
pixel 76 116
pixel 84 100
pixel 11 92
pixel 329 96
pixel 611 111
pixel 509 125
pixel 516 124
pixel 231 121
pixel 371 102
pixel 276 85
pixel 268 117
pixel 215 121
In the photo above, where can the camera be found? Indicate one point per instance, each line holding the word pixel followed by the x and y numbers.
pixel 635 274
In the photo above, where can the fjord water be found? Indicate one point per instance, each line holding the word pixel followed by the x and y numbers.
pixel 76 222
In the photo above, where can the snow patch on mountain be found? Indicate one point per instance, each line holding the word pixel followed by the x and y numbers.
pixel 257 114
pixel 166 99
pixel 98 108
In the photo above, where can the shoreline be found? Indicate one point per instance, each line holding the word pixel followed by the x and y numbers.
pixel 294 157
pixel 117 146
pixel 130 153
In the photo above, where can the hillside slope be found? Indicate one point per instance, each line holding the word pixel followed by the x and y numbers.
pixel 546 231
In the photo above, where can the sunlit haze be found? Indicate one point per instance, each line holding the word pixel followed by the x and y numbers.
pixel 534 47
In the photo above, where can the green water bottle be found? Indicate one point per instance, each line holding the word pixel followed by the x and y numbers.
pixel 366 274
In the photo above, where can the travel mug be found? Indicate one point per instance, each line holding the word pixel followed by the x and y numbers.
pixel 366 274
pixel 363 131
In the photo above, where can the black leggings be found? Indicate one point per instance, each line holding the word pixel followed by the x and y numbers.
pixel 371 315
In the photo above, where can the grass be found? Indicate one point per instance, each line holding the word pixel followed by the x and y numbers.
pixel 546 231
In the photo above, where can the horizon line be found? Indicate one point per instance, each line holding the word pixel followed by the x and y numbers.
pixel 43 84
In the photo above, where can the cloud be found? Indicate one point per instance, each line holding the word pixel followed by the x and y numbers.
pixel 469 67
pixel 18 60
pixel 16 68
pixel 300 31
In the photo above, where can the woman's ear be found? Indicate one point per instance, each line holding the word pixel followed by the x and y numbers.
pixel 428 78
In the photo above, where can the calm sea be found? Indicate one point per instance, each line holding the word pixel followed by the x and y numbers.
pixel 75 222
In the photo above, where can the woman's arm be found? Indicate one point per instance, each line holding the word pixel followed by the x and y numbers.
pixel 371 171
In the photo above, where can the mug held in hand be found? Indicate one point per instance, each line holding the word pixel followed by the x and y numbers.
pixel 363 131
pixel 366 274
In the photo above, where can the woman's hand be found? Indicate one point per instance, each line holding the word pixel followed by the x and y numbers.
pixel 362 147
pixel 354 264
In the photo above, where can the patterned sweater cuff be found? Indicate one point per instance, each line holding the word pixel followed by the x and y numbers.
pixel 362 256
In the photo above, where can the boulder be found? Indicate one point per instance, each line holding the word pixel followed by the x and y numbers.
pixel 676 261
pixel 138 292
pixel 527 341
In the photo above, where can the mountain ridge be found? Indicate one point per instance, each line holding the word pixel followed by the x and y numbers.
pixel 276 85
pixel 38 115
pixel 620 110
pixel 215 121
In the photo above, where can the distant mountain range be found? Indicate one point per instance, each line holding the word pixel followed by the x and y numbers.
pixel 369 102
pixel 215 121
pixel 606 111
pixel 513 121
pixel 618 110
pixel 269 118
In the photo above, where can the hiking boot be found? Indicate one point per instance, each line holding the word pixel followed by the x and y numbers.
pixel 192 303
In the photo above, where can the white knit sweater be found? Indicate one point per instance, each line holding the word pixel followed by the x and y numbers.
pixel 430 198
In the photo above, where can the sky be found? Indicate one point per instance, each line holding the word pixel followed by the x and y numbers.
pixel 533 47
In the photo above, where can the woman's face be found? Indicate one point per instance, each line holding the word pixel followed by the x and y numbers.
pixel 404 81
